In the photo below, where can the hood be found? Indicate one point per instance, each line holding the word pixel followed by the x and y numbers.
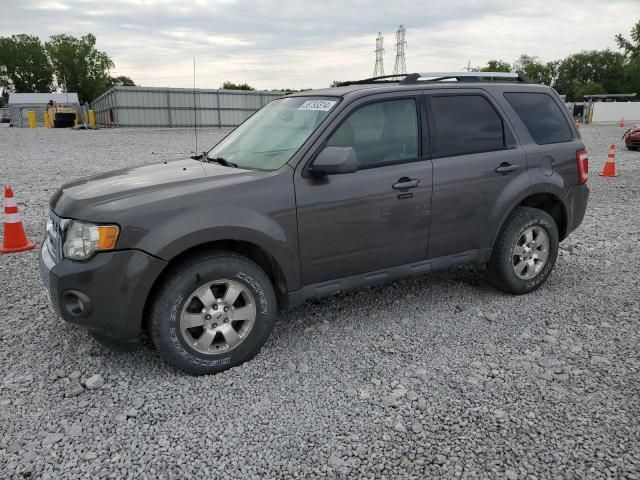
pixel 122 184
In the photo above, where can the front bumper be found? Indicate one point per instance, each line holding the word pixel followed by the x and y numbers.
pixel 106 294
pixel 576 202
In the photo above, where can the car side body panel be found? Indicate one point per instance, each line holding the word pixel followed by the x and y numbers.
pixel 251 206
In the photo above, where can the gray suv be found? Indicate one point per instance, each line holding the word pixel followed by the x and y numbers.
pixel 317 193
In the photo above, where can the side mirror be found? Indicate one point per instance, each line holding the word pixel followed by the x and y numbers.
pixel 334 160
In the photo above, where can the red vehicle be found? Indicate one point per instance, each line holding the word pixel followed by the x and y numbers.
pixel 632 138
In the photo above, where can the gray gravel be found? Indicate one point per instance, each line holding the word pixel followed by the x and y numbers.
pixel 440 376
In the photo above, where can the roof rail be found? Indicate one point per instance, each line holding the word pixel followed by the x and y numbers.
pixel 409 78
pixel 382 79
pixel 464 76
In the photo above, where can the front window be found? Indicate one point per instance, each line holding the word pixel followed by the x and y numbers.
pixel 268 139
pixel 380 133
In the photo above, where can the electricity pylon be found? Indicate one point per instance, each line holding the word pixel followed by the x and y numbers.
pixel 378 70
pixel 401 62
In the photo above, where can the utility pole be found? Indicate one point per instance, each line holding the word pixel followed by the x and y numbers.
pixel 378 70
pixel 468 67
pixel 400 66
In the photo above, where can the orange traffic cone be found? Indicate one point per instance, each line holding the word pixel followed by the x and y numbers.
pixel 621 122
pixel 609 169
pixel 15 240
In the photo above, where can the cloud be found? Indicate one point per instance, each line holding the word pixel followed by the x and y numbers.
pixel 304 43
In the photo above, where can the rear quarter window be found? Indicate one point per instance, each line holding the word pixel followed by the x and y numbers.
pixel 542 117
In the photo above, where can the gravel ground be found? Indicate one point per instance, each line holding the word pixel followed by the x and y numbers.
pixel 440 376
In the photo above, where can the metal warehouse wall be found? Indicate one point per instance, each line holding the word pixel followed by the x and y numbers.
pixel 174 107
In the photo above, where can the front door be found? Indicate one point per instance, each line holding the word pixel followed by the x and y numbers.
pixel 377 217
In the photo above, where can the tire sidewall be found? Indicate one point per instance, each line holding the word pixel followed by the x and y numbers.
pixel 515 283
pixel 166 318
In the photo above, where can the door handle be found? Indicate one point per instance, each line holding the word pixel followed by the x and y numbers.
pixel 405 183
pixel 505 168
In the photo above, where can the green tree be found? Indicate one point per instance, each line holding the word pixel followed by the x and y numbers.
pixel 336 83
pixel 121 81
pixel 236 86
pixel 78 65
pixel 494 66
pixel 24 66
pixel 536 70
pixel 631 47
pixel 632 78
pixel 587 69
pixel 631 50
pixel 589 88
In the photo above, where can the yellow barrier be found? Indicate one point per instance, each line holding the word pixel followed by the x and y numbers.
pixel 32 119
pixel 92 118
pixel 86 117
pixel 47 123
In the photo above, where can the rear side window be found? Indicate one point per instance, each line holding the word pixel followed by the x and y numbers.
pixel 542 117
pixel 466 124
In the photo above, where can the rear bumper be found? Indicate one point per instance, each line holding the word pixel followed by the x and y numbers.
pixel 576 203
pixel 106 294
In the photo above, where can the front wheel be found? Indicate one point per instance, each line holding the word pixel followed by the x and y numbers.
pixel 213 312
pixel 525 252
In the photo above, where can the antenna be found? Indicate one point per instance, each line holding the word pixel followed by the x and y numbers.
pixel 378 70
pixel 401 66
pixel 66 90
pixel 195 110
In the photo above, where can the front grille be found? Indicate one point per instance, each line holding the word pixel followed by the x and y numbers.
pixel 54 236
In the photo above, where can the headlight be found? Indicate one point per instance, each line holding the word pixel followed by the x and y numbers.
pixel 82 239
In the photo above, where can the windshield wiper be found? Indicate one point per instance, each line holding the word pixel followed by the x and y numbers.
pixel 222 161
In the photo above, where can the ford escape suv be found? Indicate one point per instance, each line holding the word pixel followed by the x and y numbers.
pixel 317 193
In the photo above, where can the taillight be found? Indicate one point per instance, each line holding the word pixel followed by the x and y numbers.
pixel 583 166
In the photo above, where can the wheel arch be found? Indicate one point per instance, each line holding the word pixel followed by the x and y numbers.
pixel 545 201
pixel 258 254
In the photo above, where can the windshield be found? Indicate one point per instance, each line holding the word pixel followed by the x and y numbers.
pixel 268 139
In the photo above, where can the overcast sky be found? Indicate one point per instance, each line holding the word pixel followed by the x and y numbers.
pixel 307 44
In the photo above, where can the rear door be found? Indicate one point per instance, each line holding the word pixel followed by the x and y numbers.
pixel 377 217
pixel 478 170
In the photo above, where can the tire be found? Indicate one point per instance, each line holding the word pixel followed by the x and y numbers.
pixel 506 259
pixel 192 291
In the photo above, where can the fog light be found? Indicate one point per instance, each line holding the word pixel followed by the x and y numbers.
pixel 76 303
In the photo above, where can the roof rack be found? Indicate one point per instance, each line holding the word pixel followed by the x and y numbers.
pixel 466 76
pixel 380 79
pixel 409 78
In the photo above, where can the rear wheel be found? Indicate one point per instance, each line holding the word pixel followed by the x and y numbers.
pixel 525 252
pixel 214 311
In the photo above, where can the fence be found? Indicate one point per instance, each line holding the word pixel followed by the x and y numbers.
pixel 614 111
pixel 177 107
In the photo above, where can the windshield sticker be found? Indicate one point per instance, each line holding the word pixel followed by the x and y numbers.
pixel 317 105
